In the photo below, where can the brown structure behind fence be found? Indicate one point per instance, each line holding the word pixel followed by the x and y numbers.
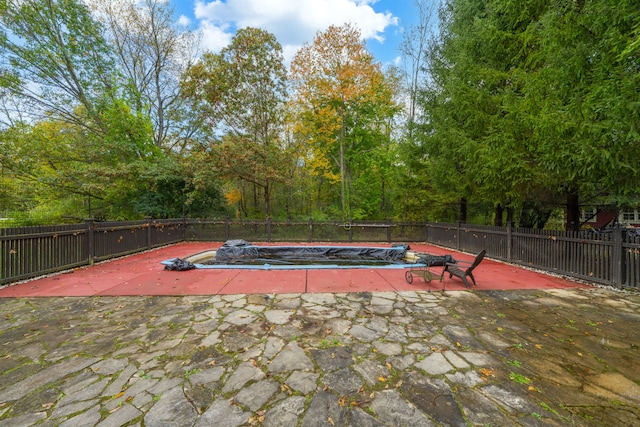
pixel 609 258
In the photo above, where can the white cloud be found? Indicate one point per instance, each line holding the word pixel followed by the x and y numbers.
pixel 214 37
pixel 183 21
pixel 293 22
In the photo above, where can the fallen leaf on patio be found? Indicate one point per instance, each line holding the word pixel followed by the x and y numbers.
pixel 487 372
pixel 382 379
pixel 342 401
pixel 331 421
pixel 538 345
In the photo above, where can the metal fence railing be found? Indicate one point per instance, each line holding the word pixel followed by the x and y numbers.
pixel 611 258
pixel 27 252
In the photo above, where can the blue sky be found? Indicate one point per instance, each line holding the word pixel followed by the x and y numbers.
pixel 295 22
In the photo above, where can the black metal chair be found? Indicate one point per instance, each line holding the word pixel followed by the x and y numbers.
pixel 456 269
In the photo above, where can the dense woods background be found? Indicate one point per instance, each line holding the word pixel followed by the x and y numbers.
pixel 512 110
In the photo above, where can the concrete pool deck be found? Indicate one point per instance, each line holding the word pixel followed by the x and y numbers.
pixel 142 274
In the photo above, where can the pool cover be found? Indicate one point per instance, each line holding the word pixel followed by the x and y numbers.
pixel 240 251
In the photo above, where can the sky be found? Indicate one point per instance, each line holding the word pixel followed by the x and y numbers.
pixel 295 22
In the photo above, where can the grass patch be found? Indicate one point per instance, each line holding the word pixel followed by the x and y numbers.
pixel 519 378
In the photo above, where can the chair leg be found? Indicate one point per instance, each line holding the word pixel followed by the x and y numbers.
pixel 466 283
pixel 444 284
pixel 473 279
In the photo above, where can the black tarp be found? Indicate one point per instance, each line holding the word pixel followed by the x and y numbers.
pixel 434 260
pixel 235 251
pixel 178 264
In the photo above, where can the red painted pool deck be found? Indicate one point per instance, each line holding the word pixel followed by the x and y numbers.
pixel 142 274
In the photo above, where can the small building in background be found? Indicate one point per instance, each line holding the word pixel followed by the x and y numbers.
pixel 605 216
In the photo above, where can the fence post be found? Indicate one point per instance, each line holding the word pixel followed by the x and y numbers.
pixel 148 226
pixel 90 241
pixel 617 258
pixel 459 223
pixel 226 229
pixel 426 232
pixel 388 230
pixel 310 230
pixel 509 240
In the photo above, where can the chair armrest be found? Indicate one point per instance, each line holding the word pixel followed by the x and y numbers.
pixel 459 262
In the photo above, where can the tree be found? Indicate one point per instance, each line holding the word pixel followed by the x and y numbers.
pixel 152 54
pixel 64 176
pixel 533 101
pixel 585 92
pixel 341 102
pixel 87 106
pixel 59 59
pixel 415 48
pixel 242 94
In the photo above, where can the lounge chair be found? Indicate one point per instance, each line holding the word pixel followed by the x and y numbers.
pixel 460 271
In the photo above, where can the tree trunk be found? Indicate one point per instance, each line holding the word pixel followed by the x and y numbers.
pixel 497 220
pixel 510 215
pixel 463 210
pixel 383 205
pixel 243 203
pixel 573 211
pixel 267 201
pixel 255 199
pixel 343 192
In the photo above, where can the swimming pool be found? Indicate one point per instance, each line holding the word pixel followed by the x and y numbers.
pixel 238 254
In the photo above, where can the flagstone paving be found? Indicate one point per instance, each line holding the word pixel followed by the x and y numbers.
pixel 484 358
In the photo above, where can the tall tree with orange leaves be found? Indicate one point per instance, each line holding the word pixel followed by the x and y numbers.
pixel 342 104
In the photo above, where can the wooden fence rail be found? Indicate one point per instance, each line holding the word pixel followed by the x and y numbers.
pixel 611 258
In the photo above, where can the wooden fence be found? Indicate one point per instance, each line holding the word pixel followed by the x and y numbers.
pixel 27 252
pixel 611 258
